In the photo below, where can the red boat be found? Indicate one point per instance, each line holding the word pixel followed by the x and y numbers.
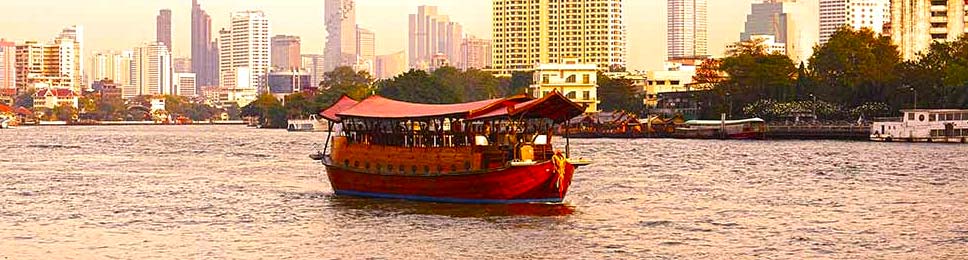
pixel 492 151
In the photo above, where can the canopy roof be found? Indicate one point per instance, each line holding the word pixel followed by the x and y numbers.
pixel 5 109
pixel 344 102
pixel 553 106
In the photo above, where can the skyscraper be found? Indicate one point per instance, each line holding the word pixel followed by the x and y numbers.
pixel 340 19
pixel 365 49
pixel 50 65
pixel 113 66
pixel 432 34
pixel 475 53
pixel 795 23
pixel 153 72
pixel 688 35
pixel 390 65
pixel 244 55
pixel 75 33
pixel 8 67
pixel 163 28
pixel 204 51
pixel 286 52
pixel 314 65
pixel 529 32
pixel 915 24
pixel 854 14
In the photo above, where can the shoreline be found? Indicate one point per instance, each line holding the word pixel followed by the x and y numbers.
pixel 135 123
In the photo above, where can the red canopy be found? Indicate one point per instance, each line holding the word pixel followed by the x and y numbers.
pixel 343 103
pixel 5 109
pixel 554 106
pixel 381 107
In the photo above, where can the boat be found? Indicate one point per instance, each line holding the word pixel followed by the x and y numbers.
pixel 923 125
pixel 307 125
pixel 496 151
pixel 751 128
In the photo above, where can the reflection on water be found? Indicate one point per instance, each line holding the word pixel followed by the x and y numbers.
pixel 203 192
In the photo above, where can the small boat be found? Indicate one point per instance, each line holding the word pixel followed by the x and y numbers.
pixel 923 125
pixel 752 128
pixel 493 151
pixel 307 125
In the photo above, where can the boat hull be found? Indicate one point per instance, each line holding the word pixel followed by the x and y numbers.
pixel 539 183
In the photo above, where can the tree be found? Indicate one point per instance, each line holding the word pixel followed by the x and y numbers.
pixel 344 81
pixel 270 111
pixel 299 105
pixel 855 67
pixel 517 84
pixel 619 95
pixel 419 87
pixel 755 76
pixel 64 112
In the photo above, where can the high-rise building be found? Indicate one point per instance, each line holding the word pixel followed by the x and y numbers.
pixel 365 49
pixel 163 28
pixel 185 84
pixel 75 33
pixel 795 23
pixel 314 65
pixel 112 66
pixel 153 72
pixel 244 55
pixel 432 34
pixel 529 32
pixel 688 35
pixel 854 14
pixel 340 19
pixel 285 52
pixel 183 65
pixel 204 50
pixel 390 65
pixel 8 67
pixel 291 81
pixel 475 53
pixel 915 24
pixel 52 65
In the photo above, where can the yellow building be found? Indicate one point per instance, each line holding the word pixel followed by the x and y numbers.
pixel 529 32
pixel 49 65
pixel 578 82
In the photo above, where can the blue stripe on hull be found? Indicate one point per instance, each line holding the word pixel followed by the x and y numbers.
pixel 445 200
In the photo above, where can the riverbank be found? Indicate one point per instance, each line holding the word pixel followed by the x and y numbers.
pixel 134 123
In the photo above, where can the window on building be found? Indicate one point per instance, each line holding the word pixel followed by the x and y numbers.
pixel 586 95
pixel 570 79
pixel 545 79
pixel 585 79
pixel 571 95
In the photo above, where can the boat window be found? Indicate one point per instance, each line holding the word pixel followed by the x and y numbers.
pixel 541 140
pixel 921 118
pixel 480 140
pixel 949 117
pixel 932 117
pixel 910 116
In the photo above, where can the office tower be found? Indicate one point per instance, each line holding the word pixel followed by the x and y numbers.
pixel 163 28
pixel 51 65
pixel 432 34
pixel 152 71
pixel 75 33
pixel 390 65
pixel 340 19
pixel 244 55
pixel 285 52
pixel 365 49
pixel 8 67
pixel 314 65
pixel 688 29
pixel 795 23
pixel 204 51
pixel 185 84
pixel 529 32
pixel 854 14
pixel 915 24
pixel 183 65
pixel 112 66
pixel 475 53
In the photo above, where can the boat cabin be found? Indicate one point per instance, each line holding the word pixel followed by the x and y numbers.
pixel 923 125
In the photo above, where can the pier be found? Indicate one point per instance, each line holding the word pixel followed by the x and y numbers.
pixel 819 132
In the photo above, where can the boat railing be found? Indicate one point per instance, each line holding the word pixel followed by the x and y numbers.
pixel 888 119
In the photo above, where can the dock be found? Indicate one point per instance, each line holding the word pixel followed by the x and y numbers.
pixel 819 132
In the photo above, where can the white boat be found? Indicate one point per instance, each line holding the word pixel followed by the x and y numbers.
pixel 923 125
pixel 312 124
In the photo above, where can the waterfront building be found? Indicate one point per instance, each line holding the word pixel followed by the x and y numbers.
pixel 576 81
pixel 767 42
pixel 183 65
pixel 204 50
pixel 186 85
pixel 163 28
pixel 8 65
pixel 48 97
pixel 340 18
pixel 475 53
pixel 290 81
pixel 688 34
pixel 854 14
pixel 390 65
pixel 795 23
pixel 42 65
pixel 286 52
pixel 107 89
pixel 314 65
pixel 153 72
pixel 529 32
pixel 244 55
pixel 915 24
pixel 115 66
pixel 675 77
pixel 432 35
pixel 365 49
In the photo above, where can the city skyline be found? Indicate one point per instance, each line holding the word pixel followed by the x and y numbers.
pixel 644 20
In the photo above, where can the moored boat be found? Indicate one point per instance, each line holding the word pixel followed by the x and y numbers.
pixel 923 125
pixel 492 151
pixel 752 128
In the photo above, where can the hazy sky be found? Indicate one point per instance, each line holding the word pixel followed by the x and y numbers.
pixel 122 24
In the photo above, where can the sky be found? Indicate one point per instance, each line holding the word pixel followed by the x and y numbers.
pixel 123 24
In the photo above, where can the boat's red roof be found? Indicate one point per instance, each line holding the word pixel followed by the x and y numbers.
pixel 554 106
pixel 5 109
pixel 343 103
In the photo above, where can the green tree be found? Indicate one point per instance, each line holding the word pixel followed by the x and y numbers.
pixel 64 112
pixel 517 84
pixel 855 67
pixel 344 81
pixel 619 95
pixel 270 111
pixel 299 105
pixel 755 76
pixel 417 86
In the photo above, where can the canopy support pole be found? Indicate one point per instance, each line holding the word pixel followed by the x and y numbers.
pixel 567 140
pixel 329 136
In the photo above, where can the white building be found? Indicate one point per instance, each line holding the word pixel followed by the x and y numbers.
pixel 185 84
pixel 115 66
pixel 795 23
pixel 918 23
pixel 340 19
pixel 8 67
pixel 432 34
pixel 390 65
pixel 578 82
pixel 854 14
pixel 675 77
pixel 768 42
pixel 475 53
pixel 51 65
pixel 365 49
pixel 688 34
pixel 76 34
pixel 245 56
pixel 152 71
pixel 315 66
pixel 529 32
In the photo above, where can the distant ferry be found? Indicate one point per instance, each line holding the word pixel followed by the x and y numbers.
pixel 923 125
pixel 492 151
pixel 752 128
pixel 307 125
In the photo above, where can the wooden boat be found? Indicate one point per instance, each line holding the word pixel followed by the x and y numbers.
pixel 492 151
pixel 752 128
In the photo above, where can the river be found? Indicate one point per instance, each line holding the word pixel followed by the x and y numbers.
pixel 213 192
